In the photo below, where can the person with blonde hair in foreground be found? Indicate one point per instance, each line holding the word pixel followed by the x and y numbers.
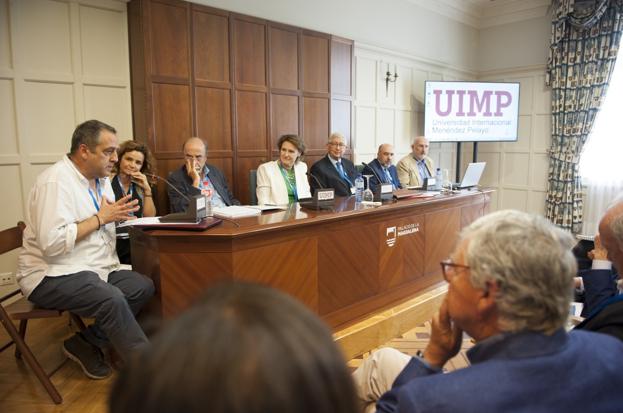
pixel 510 283
pixel 244 348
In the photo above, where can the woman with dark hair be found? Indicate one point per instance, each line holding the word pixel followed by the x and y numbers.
pixel 134 161
pixel 244 348
pixel 285 180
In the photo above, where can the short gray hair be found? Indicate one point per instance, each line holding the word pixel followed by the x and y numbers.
pixel 531 261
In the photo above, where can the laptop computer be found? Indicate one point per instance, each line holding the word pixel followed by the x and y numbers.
pixel 472 175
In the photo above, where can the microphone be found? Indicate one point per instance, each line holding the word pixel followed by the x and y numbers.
pixel 195 212
pixel 169 184
pixel 374 172
pixel 315 179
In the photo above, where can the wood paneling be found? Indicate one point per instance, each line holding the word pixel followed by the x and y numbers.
pixel 213 114
pixel 249 45
pixel 169 40
pixel 251 120
pixel 285 117
pixel 313 255
pixel 315 64
pixel 236 81
pixel 172 122
pixel 316 122
pixel 341 69
pixel 283 54
pixel 211 46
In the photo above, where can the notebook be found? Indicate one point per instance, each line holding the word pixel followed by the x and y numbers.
pixel 472 175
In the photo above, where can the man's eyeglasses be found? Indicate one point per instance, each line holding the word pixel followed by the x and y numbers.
pixel 339 145
pixel 450 269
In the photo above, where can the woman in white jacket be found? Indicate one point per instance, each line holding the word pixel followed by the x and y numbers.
pixel 285 180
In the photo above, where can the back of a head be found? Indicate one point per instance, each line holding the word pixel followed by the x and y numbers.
pixel 531 261
pixel 244 348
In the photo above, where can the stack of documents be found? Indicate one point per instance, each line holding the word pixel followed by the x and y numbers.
pixel 236 211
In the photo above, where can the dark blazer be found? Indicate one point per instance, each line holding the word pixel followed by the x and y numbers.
pixel 522 372
pixel 608 319
pixel 180 179
pixel 375 169
pixel 123 244
pixel 599 285
pixel 329 177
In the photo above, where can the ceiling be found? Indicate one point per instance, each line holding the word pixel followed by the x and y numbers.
pixel 486 13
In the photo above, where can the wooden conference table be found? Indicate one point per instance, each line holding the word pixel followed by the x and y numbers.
pixel 344 264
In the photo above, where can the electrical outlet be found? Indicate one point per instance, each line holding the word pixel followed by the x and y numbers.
pixel 7 278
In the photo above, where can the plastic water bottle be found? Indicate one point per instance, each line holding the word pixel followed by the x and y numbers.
pixel 438 179
pixel 359 185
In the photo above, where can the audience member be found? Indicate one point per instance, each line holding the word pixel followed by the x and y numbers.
pixel 285 180
pixel 68 260
pixel 606 315
pixel 134 161
pixel 417 166
pixel 196 177
pixel 382 168
pixel 509 288
pixel 334 171
pixel 244 348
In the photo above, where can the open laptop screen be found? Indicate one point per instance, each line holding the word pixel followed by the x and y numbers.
pixel 472 174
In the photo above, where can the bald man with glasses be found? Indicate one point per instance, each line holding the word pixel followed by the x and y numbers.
pixel 196 177
pixel 334 171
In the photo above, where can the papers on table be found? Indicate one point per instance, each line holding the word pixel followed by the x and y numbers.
pixel 236 211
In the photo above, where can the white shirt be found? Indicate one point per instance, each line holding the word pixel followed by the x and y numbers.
pixel 58 201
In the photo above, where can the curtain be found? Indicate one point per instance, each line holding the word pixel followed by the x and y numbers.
pixel 584 44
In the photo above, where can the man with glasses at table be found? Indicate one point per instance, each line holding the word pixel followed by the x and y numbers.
pixel 509 287
pixel 198 177
pixel 334 171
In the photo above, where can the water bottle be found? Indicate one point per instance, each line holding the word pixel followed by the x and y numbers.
pixel 438 179
pixel 359 188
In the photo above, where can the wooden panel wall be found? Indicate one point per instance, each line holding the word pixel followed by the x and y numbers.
pixel 237 82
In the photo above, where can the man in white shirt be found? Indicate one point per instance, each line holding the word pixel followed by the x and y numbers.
pixel 68 260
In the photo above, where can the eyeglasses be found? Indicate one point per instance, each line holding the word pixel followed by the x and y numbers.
pixel 450 269
pixel 339 145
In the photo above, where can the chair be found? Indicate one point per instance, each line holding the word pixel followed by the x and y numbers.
pixel 252 187
pixel 23 310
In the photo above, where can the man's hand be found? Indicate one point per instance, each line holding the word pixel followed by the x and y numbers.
pixel 117 211
pixel 192 172
pixel 445 339
pixel 599 252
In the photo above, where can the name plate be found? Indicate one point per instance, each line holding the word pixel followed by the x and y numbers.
pixel 325 194
pixel 386 188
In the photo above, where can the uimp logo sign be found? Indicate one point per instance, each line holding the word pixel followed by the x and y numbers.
pixel 392 233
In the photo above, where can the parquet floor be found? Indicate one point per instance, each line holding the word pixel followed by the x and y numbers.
pixel 21 392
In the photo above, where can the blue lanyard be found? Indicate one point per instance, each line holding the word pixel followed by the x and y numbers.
pixel 288 183
pixel 130 188
pixel 342 172
pixel 99 192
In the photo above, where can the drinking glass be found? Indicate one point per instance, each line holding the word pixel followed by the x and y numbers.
pixel 446 182
pixel 368 196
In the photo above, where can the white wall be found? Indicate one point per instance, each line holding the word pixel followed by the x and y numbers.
pixel 396 25
pixel 61 62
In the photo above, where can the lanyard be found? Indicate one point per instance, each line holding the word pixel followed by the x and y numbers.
pixel 291 187
pixel 340 169
pixel 99 193
pixel 130 188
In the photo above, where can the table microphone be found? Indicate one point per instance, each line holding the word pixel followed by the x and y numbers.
pixel 315 179
pixel 380 181
pixel 169 184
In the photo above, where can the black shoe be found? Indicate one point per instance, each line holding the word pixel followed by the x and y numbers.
pixel 88 356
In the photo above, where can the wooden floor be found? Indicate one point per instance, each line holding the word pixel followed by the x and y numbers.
pixel 21 392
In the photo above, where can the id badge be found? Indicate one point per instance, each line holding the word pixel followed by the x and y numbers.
pixel 353 190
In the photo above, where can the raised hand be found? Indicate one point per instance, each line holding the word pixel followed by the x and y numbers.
pixel 599 252
pixel 192 172
pixel 117 211
pixel 445 339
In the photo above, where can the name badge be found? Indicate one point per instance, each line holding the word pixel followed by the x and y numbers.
pixel 353 190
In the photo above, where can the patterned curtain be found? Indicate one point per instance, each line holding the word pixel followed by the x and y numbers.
pixel 584 45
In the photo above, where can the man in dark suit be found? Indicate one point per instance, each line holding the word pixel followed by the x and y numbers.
pixel 512 297
pixel 607 317
pixel 382 168
pixel 333 171
pixel 198 177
